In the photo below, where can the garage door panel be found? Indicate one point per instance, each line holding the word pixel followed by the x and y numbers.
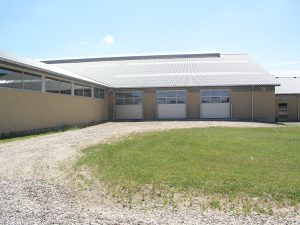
pixel 171 104
pixel 171 111
pixel 215 110
pixel 129 112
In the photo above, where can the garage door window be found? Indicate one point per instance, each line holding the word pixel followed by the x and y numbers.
pixel 215 96
pixel 171 97
pixel 129 98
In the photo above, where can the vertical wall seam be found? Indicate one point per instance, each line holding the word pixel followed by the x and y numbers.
pixel 252 104
pixel 106 105
pixel 298 116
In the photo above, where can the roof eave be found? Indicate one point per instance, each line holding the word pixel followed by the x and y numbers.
pixel 130 57
pixel 187 86
pixel 12 62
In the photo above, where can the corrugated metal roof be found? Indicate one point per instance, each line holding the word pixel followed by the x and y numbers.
pixel 288 85
pixel 177 70
pixel 7 57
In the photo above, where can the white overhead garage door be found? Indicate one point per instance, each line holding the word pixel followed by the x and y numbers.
pixel 128 105
pixel 215 104
pixel 171 104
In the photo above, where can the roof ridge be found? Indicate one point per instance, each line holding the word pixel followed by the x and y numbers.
pixel 135 55
pixel 238 53
pixel 287 76
pixel 132 57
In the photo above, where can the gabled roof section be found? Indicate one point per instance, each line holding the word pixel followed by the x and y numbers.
pixel 170 70
pixel 288 85
pixel 28 63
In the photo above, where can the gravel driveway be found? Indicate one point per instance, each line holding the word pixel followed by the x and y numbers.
pixel 32 189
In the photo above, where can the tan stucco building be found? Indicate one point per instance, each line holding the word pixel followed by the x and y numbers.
pixel 53 93
pixel 35 97
pixel 288 99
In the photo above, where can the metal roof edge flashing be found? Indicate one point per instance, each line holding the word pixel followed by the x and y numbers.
pixel 134 57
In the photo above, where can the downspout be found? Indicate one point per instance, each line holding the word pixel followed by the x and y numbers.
pixel 186 104
pixel 143 109
pixel 156 117
pixel 113 101
pixel 22 75
pixel 200 116
pixel 230 111
pixel 252 104
pixel 106 105
pixel 230 105
pixel 298 110
pixel 156 106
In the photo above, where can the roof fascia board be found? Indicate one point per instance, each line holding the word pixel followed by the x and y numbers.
pixel 198 86
pixel 137 57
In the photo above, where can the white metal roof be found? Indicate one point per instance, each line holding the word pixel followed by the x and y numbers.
pixel 288 85
pixel 173 70
pixel 11 58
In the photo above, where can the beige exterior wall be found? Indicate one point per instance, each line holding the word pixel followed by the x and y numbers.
pixel 263 103
pixel 241 99
pixel 293 102
pixel 27 110
pixel 193 103
pixel 150 104
pixel 241 105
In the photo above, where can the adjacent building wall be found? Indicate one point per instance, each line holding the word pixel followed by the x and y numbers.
pixel 264 105
pixel 293 101
pixel 253 103
pixel 27 110
pixel 241 104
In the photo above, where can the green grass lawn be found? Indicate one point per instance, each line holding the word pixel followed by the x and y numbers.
pixel 259 162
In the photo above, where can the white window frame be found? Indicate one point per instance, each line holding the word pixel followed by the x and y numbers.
pixel 166 97
pixel 84 86
pixel 101 91
pixel 133 98
pixel 22 79
pixel 215 96
pixel 44 77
